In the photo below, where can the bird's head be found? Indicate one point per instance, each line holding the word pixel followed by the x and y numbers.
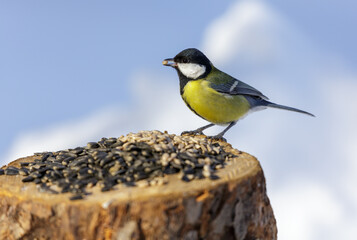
pixel 191 63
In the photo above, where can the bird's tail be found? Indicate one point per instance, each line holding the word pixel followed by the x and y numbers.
pixel 274 105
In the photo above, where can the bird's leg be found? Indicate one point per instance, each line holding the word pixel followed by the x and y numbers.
pixel 198 130
pixel 219 136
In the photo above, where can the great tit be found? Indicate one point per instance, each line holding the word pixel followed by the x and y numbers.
pixel 214 95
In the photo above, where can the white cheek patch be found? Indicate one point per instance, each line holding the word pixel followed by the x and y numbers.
pixel 191 70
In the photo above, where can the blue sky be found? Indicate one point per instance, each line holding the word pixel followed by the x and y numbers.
pixel 75 71
pixel 61 60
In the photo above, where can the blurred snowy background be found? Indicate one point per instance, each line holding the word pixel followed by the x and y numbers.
pixel 75 71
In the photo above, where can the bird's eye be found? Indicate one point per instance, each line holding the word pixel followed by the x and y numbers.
pixel 185 60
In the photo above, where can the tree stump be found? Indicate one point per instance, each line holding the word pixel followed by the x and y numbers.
pixel 234 206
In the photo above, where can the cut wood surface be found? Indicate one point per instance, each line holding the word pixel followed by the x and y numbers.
pixel 235 206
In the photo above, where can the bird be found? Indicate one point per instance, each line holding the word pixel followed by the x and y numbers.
pixel 214 95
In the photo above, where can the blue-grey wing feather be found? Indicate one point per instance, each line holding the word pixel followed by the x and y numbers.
pixel 235 87
pixel 224 83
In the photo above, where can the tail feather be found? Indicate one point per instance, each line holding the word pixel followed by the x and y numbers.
pixel 274 105
pixel 258 103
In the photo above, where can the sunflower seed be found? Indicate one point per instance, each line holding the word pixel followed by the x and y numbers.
pixel 10 171
pixel 146 157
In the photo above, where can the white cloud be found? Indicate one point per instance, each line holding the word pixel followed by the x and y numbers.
pixel 341 125
pixel 67 134
pixel 305 210
pixel 252 31
pixel 150 110
pixel 224 38
pixel 321 151
pixel 252 35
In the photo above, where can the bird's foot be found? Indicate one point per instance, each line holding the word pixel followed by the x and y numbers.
pixel 217 137
pixel 192 133
pixel 198 131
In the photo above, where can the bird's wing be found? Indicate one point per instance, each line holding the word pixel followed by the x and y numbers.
pixel 225 83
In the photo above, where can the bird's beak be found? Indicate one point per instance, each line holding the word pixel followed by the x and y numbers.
pixel 169 62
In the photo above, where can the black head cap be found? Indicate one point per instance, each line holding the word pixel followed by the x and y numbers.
pixel 192 55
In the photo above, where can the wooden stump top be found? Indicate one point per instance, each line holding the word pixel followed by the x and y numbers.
pixel 175 210
pixel 241 167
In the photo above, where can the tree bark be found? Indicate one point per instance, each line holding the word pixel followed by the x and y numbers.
pixel 235 206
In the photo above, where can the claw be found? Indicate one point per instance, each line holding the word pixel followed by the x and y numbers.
pixel 198 131
pixel 192 133
pixel 217 137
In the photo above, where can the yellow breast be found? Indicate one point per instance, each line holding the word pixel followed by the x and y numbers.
pixel 213 106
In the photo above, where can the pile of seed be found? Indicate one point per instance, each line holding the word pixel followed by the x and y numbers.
pixel 140 159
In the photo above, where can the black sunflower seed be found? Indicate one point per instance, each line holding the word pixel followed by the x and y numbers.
pixel 125 160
